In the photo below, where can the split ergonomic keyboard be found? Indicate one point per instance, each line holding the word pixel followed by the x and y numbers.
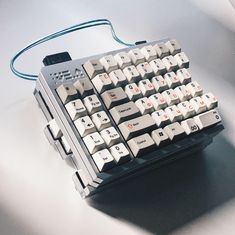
pixel 117 113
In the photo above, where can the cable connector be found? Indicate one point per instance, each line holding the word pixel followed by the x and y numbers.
pixel 140 42
pixel 84 25
pixel 56 58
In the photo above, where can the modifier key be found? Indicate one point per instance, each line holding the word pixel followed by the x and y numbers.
pixel 175 131
pixel 137 126
pixel 141 144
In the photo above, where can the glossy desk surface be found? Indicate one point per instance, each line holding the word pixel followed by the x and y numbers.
pixel 195 195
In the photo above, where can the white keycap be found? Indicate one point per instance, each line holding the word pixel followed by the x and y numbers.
pixel 66 145
pixel 160 117
pixel 144 105
pixel 173 46
pixel 124 112
pixel 103 160
pixel 184 75
pixel 146 87
pixel 158 50
pixel 92 104
pixel 159 83
pixel 67 92
pixel 118 78
pixel 160 137
pixel 183 93
pixel 133 91
pixel 158 66
pixel 172 80
pixel 145 70
pixel 174 131
pixel 207 119
pixel 194 88
pixel 189 126
pixel 123 59
pixel 174 113
pixel 84 86
pixel 102 82
pixel 131 74
pixel 198 104
pixel 164 49
pixel 84 126
pixel 136 56
pixel 101 120
pixel 170 63
pixel 109 63
pixel 76 109
pixel 94 142
pixel 210 100
pixel 158 101
pixel 170 96
pixel 149 52
pixel 182 60
pixel 114 97
pixel 54 128
pixel 120 153
pixel 141 144
pixel 93 67
pixel 136 126
pixel 186 109
pixel 110 136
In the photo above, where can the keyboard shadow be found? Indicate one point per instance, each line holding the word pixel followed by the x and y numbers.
pixel 169 197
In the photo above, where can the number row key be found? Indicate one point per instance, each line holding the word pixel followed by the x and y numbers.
pixel 106 159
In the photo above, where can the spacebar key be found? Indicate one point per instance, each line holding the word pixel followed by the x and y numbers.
pixel 137 126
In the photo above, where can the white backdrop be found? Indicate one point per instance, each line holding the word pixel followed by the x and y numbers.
pixel 195 195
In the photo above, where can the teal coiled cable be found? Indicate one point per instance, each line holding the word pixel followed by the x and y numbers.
pixel 84 25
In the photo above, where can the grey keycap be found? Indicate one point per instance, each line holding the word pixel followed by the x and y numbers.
pixel 125 112
pixel 93 67
pixel 137 126
pixel 114 97
pixel 67 92
pixel 174 131
pixel 141 144
pixel 209 118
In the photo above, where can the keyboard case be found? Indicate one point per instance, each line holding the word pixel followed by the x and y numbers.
pixel 87 178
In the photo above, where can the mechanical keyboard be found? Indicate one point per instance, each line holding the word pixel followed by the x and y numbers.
pixel 114 114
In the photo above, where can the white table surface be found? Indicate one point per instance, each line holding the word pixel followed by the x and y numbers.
pixel 195 195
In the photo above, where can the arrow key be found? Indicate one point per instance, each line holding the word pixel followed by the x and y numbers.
pixel 84 126
pixel 101 120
